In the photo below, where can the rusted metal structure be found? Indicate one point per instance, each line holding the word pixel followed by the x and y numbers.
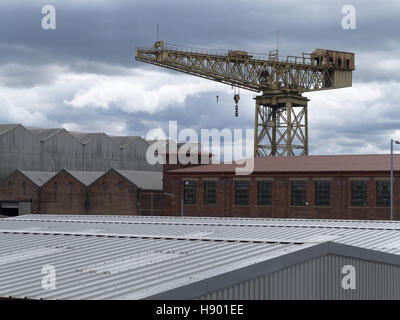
pixel 281 121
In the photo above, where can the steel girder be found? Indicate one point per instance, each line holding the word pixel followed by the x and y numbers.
pixel 247 73
pixel 281 125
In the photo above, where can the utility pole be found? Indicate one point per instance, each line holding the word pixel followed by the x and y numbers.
pixel 391 176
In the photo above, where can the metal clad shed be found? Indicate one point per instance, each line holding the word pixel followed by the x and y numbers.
pixel 105 257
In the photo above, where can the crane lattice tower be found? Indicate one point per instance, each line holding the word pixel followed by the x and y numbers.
pixel 281 117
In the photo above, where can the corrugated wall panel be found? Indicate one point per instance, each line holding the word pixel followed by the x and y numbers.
pixel 342 79
pixel 319 278
pixel 20 149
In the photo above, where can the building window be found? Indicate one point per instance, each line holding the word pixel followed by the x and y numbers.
pixel 299 193
pixel 104 184
pixel 55 188
pixel 210 192
pixel 189 192
pixel 24 187
pixel 242 193
pixel 264 193
pixel 70 186
pixel 359 193
pixel 323 193
pixel 383 193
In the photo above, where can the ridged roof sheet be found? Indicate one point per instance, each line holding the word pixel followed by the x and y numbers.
pixel 132 257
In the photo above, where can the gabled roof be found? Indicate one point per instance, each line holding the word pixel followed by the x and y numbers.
pixel 44 134
pixel 331 163
pixel 4 128
pixel 86 177
pixel 123 141
pixel 39 178
pixel 87 137
pixel 146 180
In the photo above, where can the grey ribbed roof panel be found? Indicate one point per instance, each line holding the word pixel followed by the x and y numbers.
pixel 378 235
pixel 86 177
pixel 119 268
pixel 6 127
pixel 44 134
pixel 38 177
pixel 146 180
pixel 307 223
pixel 85 137
pixel 123 141
pixel 130 257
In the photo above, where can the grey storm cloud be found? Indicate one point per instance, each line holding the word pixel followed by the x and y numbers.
pixel 99 37
pixel 107 32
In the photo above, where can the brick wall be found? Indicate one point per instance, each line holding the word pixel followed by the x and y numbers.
pixel 18 188
pixel 63 194
pixel 112 194
pixel 340 197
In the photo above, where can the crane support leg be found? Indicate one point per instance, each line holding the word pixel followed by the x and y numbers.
pixel 281 125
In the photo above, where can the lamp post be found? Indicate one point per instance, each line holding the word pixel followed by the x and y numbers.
pixel 391 176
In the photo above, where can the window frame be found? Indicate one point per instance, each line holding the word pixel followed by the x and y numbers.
pixel 237 200
pixel 378 202
pixel 320 202
pixel 268 197
pixel 292 185
pixel 364 202
pixel 193 190
pixel 214 189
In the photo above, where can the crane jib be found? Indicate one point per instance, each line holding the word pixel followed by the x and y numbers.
pixel 280 80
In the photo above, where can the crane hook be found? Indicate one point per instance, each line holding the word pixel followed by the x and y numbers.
pixel 236 98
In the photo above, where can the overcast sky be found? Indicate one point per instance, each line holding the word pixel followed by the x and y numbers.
pixel 83 76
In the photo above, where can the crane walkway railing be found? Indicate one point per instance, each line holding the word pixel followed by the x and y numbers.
pixel 305 59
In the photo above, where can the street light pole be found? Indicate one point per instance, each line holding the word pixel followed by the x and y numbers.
pixel 391 176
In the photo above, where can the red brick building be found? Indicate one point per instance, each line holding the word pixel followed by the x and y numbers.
pixel 122 192
pixel 20 192
pixel 65 193
pixel 332 187
pixel 126 192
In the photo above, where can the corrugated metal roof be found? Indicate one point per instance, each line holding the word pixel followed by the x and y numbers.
pixel 38 177
pixel 130 257
pixel 378 235
pixel 85 137
pixel 333 163
pixel 4 128
pixel 146 180
pixel 89 267
pixel 123 141
pixel 44 134
pixel 86 177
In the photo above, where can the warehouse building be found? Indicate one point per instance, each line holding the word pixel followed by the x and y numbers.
pixel 66 192
pixel 33 149
pixel 125 192
pixel 70 192
pixel 332 187
pixel 134 257
pixel 19 193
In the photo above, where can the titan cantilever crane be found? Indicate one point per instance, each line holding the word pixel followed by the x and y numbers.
pixel 281 121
